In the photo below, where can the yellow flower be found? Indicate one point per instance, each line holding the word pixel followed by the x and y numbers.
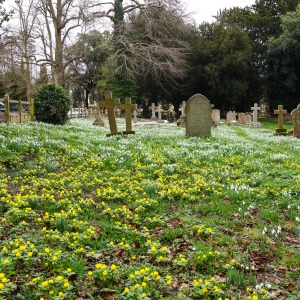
pixel 104 273
pixel 204 290
pixel 66 284
pixel 60 294
pixel 90 273
pixel 126 290
pixel 254 297
pixel 2 275
pixel 1 286
pixel 113 267
pixel 59 278
pixel 45 283
pixel 144 295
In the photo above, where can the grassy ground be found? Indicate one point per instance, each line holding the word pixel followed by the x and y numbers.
pixel 156 215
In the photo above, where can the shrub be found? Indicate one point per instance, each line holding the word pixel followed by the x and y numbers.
pixel 51 104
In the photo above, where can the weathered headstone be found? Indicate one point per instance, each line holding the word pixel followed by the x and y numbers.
pixel 110 105
pixel 198 116
pixel 215 117
pixel 159 111
pixel 255 123
pixel 99 121
pixel 128 107
pixel 248 118
pixel 135 116
pixel 152 109
pixel 242 118
pixel 280 112
pixel 182 119
pixel 234 114
pixel 229 117
pixel 171 114
pixel 296 121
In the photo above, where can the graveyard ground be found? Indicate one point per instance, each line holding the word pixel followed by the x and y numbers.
pixel 155 215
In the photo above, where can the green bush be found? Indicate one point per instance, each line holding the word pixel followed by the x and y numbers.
pixel 51 104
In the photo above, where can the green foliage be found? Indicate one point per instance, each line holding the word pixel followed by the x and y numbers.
pixel 51 103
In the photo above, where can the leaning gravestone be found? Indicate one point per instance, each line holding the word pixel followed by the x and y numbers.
pixel 296 121
pixel 110 105
pixel 198 116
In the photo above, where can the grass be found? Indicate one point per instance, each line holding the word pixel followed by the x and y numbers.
pixel 154 216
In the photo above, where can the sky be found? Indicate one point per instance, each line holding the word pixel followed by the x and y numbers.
pixel 205 9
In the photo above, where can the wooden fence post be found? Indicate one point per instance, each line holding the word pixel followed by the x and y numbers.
pixel 6 113
pixel 20 110
pixel 71 111
pixel 32 110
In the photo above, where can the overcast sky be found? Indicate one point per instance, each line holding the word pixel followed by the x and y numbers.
pixel 205 9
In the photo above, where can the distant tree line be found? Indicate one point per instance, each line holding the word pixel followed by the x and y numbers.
pixel 151 51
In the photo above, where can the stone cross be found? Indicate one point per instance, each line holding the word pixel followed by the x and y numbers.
pixel 110 104
pixel 152 108
pixel 159 111
pixel 99 121
pixel 182 109
pixel 128 107
pixel 255 112
pixel 234 114
pixel 280 112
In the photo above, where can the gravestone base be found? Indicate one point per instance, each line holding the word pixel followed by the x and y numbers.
pixel 99 123
pixel 255 125
pixel 280 131
pixel 181 122
pixel 128 132
pixel 115 133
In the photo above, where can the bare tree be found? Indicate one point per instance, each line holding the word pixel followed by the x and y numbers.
pixel 27 14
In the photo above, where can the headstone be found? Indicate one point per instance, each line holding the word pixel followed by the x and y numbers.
pixel 110 105
pixel 280 112
pixel 182 119
pixel 255 123
pixel 135 116
pixel 152 109
pixel 248 118
pixel 234 114
pixel 118 111
pixel 215 117
pixel 128 107
pixel 171 114
pixel 242 118
pixel 198 116
pixel 159 111
pixel 99 121
pixel 229 117
pixel 296 121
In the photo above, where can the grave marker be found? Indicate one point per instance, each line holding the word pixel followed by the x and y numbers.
pixel 110 104
pixel 255 123
pixel 159 111
pixel 99 121
pixel 280 112
pixel 152 108
pixel 182 119
pixel 128 107
pixel 296 121
pixel 198 116
pixel 215 117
